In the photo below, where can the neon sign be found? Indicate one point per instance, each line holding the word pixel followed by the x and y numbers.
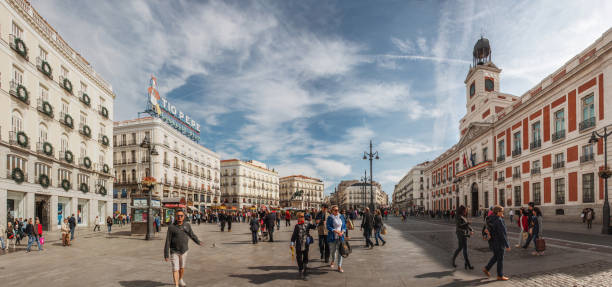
pixel 160 107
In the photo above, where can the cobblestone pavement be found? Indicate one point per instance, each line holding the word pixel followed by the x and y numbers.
pixel 417 254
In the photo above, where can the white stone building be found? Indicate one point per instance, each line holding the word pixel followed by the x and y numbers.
pixel 248 183
pixel 55 148
pixel 409 191
pixel 358 195
pixel 183 168
pixel 311 192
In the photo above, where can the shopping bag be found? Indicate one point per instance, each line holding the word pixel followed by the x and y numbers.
pixel 540 244
pixel 384 230
pixel 42 240
pixel 349 225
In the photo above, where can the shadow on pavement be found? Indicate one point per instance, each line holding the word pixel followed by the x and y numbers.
pixel 436 274
pixel 268 277
pixel 270 268
pixel 461 283
pixel 142 283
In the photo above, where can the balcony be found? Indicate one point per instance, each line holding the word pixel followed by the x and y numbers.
pixel 176 168
pixel 84 98
pixel 535 170
pixel 66 120
pixel 19 139
pixel 535 144
pixel 166 163
pixel 501 179
pixel 19 46
pixel 559 135
pixel 103 139
pixel 44 107
pixel 65 84
pixel 44 67
pixel 176 185
pixel 19 92
pixel 9 174
pixel 146 159
pixel 501 158
pixel 586 124
pixel 516 152
pixel 558 165
pixel 85 130
pixel 587 157
pixel 516 175
pixel 46 150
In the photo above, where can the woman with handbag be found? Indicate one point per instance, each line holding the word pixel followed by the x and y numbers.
pixel 65 233
pixel 336 225
pixel 301 240
pixel 464 230
pixel 536 232
pixel 378 225
pixel 39 230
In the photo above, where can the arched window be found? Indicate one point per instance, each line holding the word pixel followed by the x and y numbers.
pixel 16 121
pixel 83 149
pixel 42 133
pixel 123 176
pixel 133 175
pixel 64 143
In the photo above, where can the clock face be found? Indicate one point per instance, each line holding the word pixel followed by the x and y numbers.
pixel 489 85
pixel 472 90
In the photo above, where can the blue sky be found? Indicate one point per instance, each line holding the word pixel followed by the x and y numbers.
pixel 304 85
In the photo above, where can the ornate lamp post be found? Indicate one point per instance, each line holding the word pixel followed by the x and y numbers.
pixel 364 179
pixel 146 144
pixel 371 156
pixel 605 174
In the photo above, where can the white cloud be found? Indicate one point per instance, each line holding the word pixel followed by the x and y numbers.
pixel 405 46
pixel 407 147
pixel 331 168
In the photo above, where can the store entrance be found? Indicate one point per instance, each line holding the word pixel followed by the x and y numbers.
pixel 42 210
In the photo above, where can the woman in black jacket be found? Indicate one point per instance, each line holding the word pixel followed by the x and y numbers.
pixel 464 230
pixel 301 240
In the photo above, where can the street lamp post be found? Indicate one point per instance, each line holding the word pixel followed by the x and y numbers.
pixel 146 144
pixel 595 136
pixel 371 156
pixel 363 188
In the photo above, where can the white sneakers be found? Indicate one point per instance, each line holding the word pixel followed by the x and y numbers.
pixel 182 283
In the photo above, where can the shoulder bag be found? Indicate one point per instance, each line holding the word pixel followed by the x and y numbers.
pixel 345 249
pixel 540 244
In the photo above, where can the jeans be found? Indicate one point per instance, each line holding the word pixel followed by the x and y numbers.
pixel 334 248
pixel 367 233
pixel 287 222
pixel 2 241
pixel 377 236
pixel 462 245
pixel 324 247
pixel 96 226
pixel 32 239
pixel 498 257
pixel 589 223
pixel 109 228
pixel 254 234
pixel 72 233
pixel 531 236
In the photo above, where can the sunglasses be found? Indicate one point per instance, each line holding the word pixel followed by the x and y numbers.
pixel 335 210
pixel 180 216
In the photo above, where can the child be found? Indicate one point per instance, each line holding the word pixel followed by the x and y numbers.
pixel 254 227
pixel 301 239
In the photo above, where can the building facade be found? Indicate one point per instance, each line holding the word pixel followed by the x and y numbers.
pixel 408 194
pixel 301 192
pixel 532 148
pixel 55 148
pixel 248 184
pixel 183 168
pixel 357 195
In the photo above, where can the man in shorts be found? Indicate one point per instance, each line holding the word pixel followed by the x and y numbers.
pixel 176 246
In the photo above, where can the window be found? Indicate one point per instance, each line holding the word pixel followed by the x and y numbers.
pixel 517 196
pixel 587 153
pixel 535 167
pixel 502 197
pixel 83 149
pixel 559 125
pixel 13 161
pixel 17 31
pixel 83 118
pixel 82 178
pixel 500 148
pixel 64 143
pixel 65 107
pixel 588 108
pixel 42 54
pixel 42 133
pixel 44 93
pixel 535 134
pixel 588 186
pixel 17 76
pixel 83 88
pixel 489 84
pixel 560 191
pixel 63 174
pixel 559 160
pixel 41 168
pixel 536 193
pixel 517 172
pixel 517 144
pixel 64 72
pixel 16 121
pixel 485 151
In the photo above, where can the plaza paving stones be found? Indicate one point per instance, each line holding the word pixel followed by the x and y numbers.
pixel 417 254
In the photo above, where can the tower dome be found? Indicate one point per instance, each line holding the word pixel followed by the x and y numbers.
pixel 482 51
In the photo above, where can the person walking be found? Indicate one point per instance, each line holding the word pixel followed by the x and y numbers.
pixel 496 230
pixel 277 216
pixel 10 235
pixel 367 224
pixel 511 213
pixel 254 226
pixel 32 236
pixel 336 227
pixel 176 247
pixel 523 227
pixel 269 220
pixel 589 218
pixel 301 240
pixel 97 224
pixel 535 232
pixel 109 224
pixel 72 222
pixel 229 218
pixel 158 223
pixel 378 225
pixel 463 230
pixel 287 218
pixel 321 220
pixel 39 231
pixel 2 237
pixel 222 220
pixel 66 233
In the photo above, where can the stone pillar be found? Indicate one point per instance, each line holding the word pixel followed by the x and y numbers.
pixel 74 202
pixel 93 211
pixel 53 200
pixel 30 205
pixel 3 211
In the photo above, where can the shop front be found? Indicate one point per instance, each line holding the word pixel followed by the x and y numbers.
pixel 15 205
pixel 169 207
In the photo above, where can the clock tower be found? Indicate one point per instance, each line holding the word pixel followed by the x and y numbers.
pixel 483 98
